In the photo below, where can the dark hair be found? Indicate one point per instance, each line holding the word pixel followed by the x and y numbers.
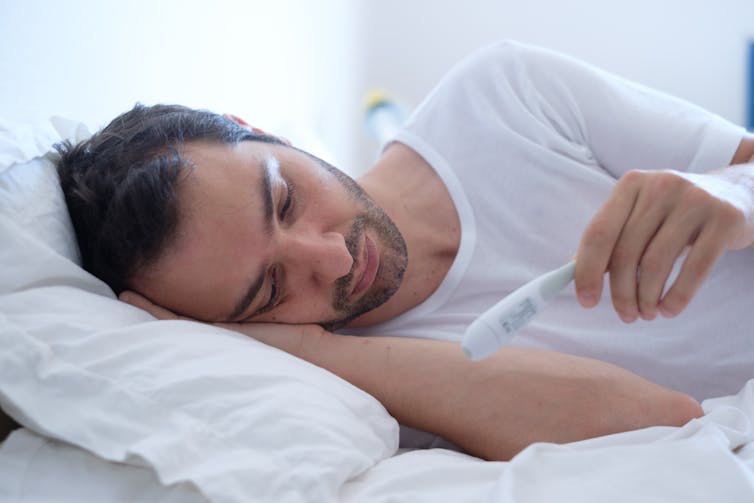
pixel 120 185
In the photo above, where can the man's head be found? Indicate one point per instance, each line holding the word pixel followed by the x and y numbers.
pixel 217 222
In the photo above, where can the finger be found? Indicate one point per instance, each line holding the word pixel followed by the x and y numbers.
pixel 640 229
pixel 237 120
pixel 137 300
pixel 658 260
pixel 253 129
pixel 695 269
pixel 598 241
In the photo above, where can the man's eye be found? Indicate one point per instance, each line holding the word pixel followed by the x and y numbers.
pixel 273 295
pixel 290 193
pixel 274 292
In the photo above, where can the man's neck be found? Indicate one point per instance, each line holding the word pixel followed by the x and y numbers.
pixel 421 207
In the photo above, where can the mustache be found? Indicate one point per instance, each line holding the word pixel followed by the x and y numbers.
pixel 353 238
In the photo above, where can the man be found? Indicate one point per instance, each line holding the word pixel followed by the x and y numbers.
pixel 491 182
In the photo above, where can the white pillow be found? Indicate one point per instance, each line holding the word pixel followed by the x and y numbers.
pixel 238 419
pixel 30 195
pixel 34 468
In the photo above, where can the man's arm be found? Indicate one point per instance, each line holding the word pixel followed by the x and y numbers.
pixel 492 408
pixel 495 407
pixel 745 151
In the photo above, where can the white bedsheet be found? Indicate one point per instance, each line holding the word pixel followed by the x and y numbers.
pixel 708 460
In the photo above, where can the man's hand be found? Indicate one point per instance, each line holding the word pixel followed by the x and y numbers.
pixel 649 221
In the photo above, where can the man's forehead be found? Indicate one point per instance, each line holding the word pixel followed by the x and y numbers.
pixel 223 171
pixel 213 154
pixel 223 184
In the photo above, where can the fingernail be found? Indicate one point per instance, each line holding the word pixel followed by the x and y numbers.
pixel 666 313
pixel 648 316
pixel 587 299
pixel 627 318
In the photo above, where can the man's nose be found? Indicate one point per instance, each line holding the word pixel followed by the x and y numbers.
pixel 324 255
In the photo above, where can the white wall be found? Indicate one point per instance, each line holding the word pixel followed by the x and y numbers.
pixel 694 49
pixel 302 67
pixel 276 63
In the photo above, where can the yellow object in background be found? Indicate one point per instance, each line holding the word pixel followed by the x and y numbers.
pixel 382 115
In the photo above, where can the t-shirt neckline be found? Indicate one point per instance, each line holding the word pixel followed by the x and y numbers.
pixel 468 233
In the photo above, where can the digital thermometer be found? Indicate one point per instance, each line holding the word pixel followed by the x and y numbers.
pixel 497 326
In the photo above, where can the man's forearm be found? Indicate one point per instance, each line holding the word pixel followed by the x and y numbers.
pixel 745 151
pixel 496 407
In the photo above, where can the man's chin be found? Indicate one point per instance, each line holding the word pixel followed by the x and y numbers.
pixel 332 326
pixel 360 312
pixel 339 323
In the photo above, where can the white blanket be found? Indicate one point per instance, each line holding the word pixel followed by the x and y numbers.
pixel 709 460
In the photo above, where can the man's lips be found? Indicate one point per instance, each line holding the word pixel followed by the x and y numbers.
pixel 371 260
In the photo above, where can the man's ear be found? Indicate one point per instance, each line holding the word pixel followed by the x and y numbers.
pixel 253 129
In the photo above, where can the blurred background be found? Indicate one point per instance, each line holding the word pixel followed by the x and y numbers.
pixel 303 68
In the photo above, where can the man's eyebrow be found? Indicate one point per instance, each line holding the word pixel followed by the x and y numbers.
pixel 269 164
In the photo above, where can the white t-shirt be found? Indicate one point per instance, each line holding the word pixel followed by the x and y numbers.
pixel 530 144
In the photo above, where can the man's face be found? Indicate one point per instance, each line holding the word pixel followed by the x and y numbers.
pixel 268 233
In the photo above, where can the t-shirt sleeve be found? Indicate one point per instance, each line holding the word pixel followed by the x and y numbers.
pixel 622 125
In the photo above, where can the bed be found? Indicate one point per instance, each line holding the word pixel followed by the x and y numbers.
pixel 117 406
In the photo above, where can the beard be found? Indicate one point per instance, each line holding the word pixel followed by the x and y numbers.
pixel 393 254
